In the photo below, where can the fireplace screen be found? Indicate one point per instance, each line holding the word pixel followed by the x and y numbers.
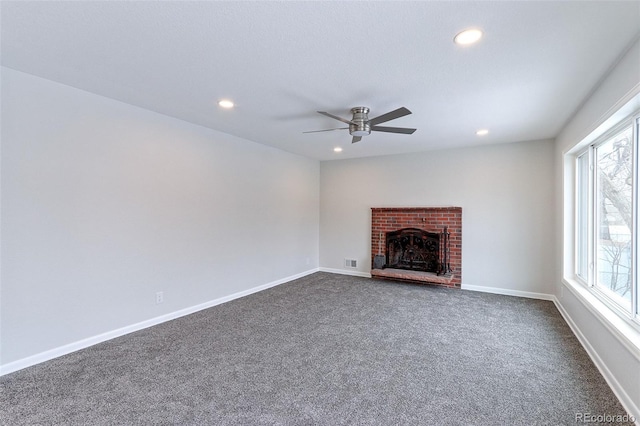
pixel 418 250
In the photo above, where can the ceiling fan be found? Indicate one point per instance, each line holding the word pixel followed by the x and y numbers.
pixel 361 125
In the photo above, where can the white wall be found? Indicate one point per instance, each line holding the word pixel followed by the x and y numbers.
pixel 506 195
pixel 617 358
pixel 104 204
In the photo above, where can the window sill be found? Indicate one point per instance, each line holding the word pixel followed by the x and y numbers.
pixel 622 328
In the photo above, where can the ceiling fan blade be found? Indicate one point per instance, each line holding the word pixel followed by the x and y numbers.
pixel 400 112
pixel 326 130
pixel 344 120
pixel 356 139
pixel 404 130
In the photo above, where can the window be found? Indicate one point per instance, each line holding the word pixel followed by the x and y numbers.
pixel 607 217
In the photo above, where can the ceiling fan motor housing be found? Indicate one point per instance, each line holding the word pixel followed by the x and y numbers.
pixel 360 122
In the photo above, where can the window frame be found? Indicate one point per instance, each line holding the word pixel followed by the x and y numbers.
pixel 580 247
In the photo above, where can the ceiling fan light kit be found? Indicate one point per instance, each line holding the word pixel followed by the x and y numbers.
pixel 360 122
pixel 360 125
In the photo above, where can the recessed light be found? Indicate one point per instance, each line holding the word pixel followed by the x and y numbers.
pixel 225 103
pixel 337 149
pixel 482 132
pixel 469 36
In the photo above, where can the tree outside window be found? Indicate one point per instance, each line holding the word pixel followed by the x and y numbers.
pixel 614 216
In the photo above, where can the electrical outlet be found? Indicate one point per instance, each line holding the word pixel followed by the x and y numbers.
pixel 159 297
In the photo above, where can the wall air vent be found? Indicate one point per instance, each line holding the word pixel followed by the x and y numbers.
pixel 350 263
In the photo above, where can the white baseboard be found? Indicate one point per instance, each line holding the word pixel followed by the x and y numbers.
pixel 346 272
pixel 90 341
pixel 508 292
pixel 626 401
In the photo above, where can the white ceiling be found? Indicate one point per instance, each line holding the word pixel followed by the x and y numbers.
pixel 282 61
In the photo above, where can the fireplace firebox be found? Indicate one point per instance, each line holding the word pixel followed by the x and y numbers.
pixel 418 250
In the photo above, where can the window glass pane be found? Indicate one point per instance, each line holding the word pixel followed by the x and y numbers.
pixel 614 213
pixel 636 243
pixel 582 231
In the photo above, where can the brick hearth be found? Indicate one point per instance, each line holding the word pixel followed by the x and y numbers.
pixel 430 219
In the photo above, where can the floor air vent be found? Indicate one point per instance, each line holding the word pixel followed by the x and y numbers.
pixel 350 263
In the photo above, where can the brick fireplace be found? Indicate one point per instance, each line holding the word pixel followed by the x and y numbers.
pixel 417 244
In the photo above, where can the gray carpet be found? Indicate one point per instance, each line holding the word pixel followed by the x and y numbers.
pixel 326 350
